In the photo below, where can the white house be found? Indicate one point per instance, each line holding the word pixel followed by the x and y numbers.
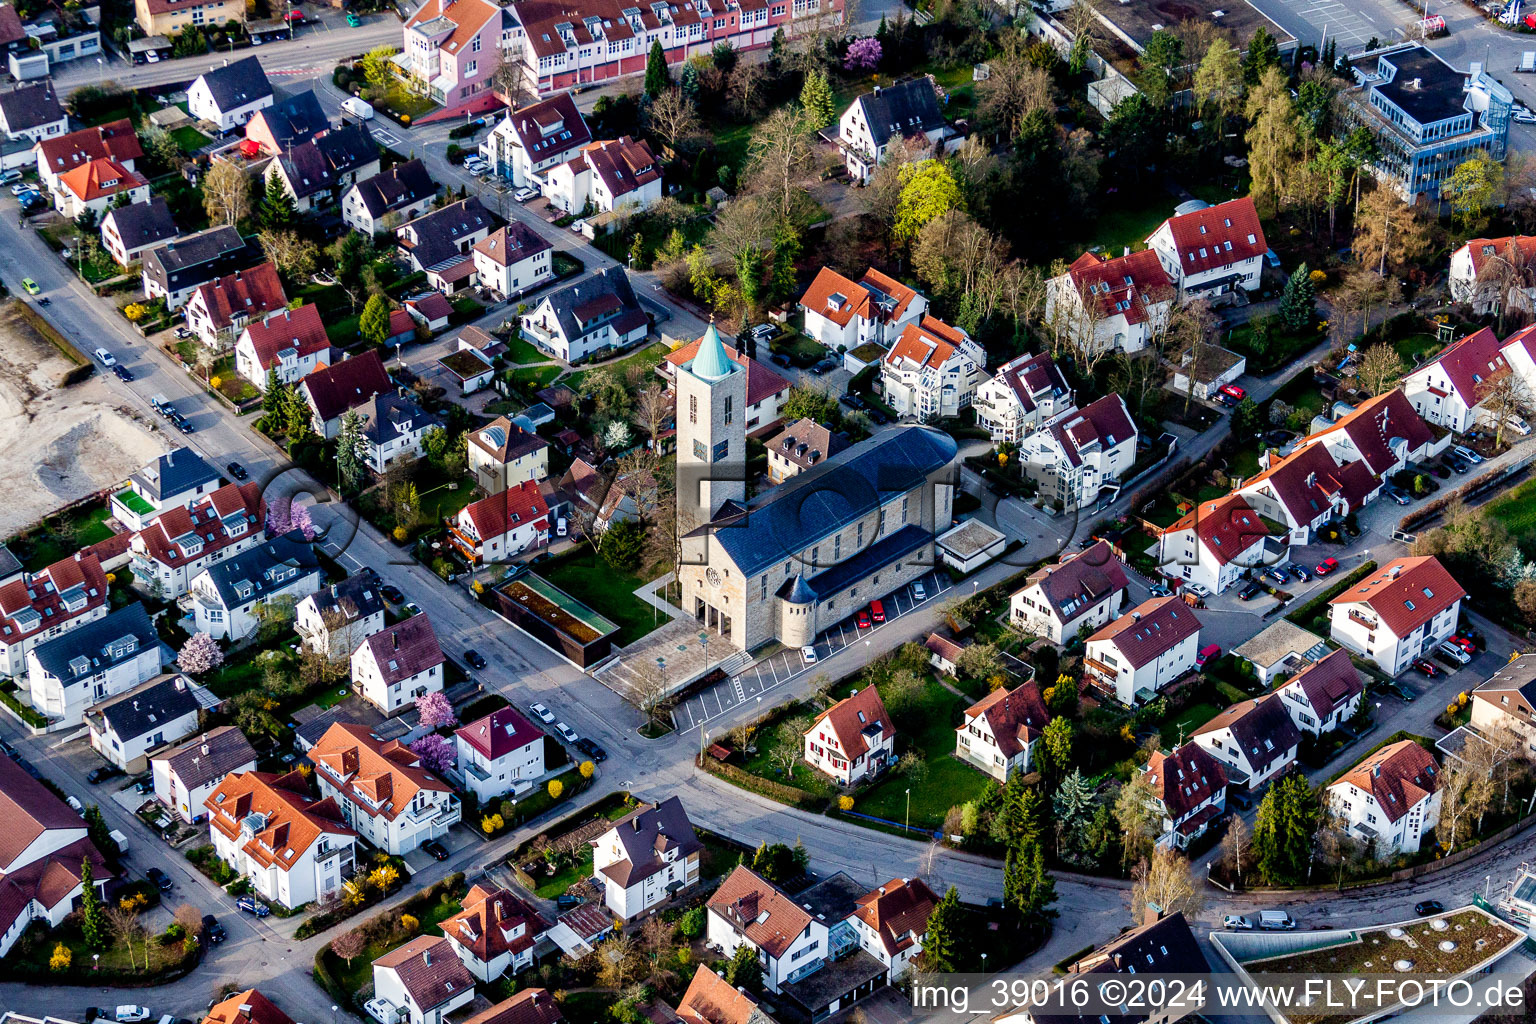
pixel 1105 303
pixel 613 175
pixel 1205 376
pixel 1391 798
pixel 183 541
pixel 495 933
pixel 58 153
pixel 932 371
pixel 382 789
pixel 845 314
pixel 227 96
pixel 499 528
pixel 889 114
pixel 185 775
pixel 1000 731
pixel 389 198
pixel 394 666
pixel 1215 542
pixel 224 597
pixel 293 848
pixel 1324 695
pixel 292 343
pixel 40 606
pixel 1453 389
pixel 1384 432
pixel 1480 267
pixel 503 454
pixel 1255 741
pixel 93 187
pixel 1144 650
pixel 1397 613
pixel 1022 394
pixel 499 754
pixel 174 480
pixel 1086 589
pixel 1189 791
pixel 125 729
pixel 342 387
pixel 1079 453
pixel 1306 489
pixel 648 855
pixel 128 231
pixel 596 314
pixel 421 982
pixel 1212 250
pixel 221 309
pixel 513 259
pixel 98 659
pixel 531 140
pixel 891 922
pixel 1507 702
pixel 336 619
pixel 32 112
pixel 393 427
pixel 853 739
pixel 749 910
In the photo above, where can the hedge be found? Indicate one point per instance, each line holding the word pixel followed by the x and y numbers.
pixel 419 902
pixel 794 797
pixel 1303 615
pixel 27 714
pixel 1431 509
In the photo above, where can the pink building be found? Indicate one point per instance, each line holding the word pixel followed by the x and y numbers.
pixel 452 48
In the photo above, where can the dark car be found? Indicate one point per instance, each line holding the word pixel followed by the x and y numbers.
pixel 237 471
pixel 592 750
pixel 1276 575
pixel 566 901
pixel 96 1013
pixel 102 772
pixel 123 373
pixel 1457 466
pixel 1424 908
pixel 436 849
pixel 1396 495
pixel 252 905
pixel 1249 592
pixel 392 593
pixel 1401 692
pixel 1301 573
pixel 1226 400
pixel 214 931
pixel 9 751
pixel 779 359
pixel 160 878
pixel 475 659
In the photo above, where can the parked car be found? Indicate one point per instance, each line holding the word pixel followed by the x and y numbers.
pixel 105 358
pixel 213 931
pixel 1326 566
pixel 123 373
pixel 1276 920
pixel 1237 923
pixel 1426 667
pixel 160 878
pixel 877 611
pixel 1456 465
pixel 184 425
pixel 30 285
pixel 808 655
pixel 475 659
pixel 1467 454
pixel 1249 592
pixel 1198 589
pixel 1395 494
pixel 9 176
pixel 392 594
pixel 411 608
pixel 1226 400
pixel 1277 575
pixel 919 593
pixel 1424 908
pixel 252 905
pixel 129 1014
pixel 592 750
pixel 862 620
pixel 353 21
pixel 823 366
pixel 102 772
pixel 1401 692
pixel 542 713
pixel 1233 391
pixel 436 849
pixel 566 732
pixel 525 193
pixel 779 359
pixel 237 471
pixel 1301 573
pixel 1465 643
pixel 1446 649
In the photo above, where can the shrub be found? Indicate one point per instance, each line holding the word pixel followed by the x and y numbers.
pixel 556 787
pixel 215 382
pixel 401 534
pixel 845 802
pixel 61 959
pixel 586 769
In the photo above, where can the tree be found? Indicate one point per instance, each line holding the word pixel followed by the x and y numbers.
pixel 945 939
pixel 816 99
pixel 123 921
pixel 61 958
pixel 1391 235
pixel 1055 750
pixel 1218 83
pixel 96 828
pixel 226 192
pixel 351 257
pixel 1013 89
pixel 1263 56
pixel 863 55
pixel 928 190
pixel 1472 187
pixel 1379 368
pixel 1236 851
pixel 555 788
pixel 435 710
pixel 673 117
pixel 1298 302
pixel 1137 133
pixel 293 255
pixel 1355 297
pixel 277 207
pixel 1506 276
pixel 657 77
pixel 1189 332
pixel 780 154
pixel 1166 882
pixel 744 970
pixel 807 402
pixel 653 408
pixel 780 863
pixel 1283 827
pixel 374 323
pixel 1162 56
pixel 437 754
pixel 979 661
pixel 1274 140
pixel 351 460
pixel 350 945
pixel 93 923
pixel 160 144
pixel 1073 807
pixel 1027 886
pixel 1464 794
pixel 199 654
pixel 1138 816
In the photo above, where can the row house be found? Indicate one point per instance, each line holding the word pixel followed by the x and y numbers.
pixel 290 345
pixel 1213 250
pixel 1384 432
pixel 499 754
pixel 221 309
pixel 1188 792
pixel 1083 591
pixel 532 140
pixel 388 199
pixel 185 776
pixel 286 123
pixel 932 371
pixel 382 789
pixel 97 660
pixel 1307 489
pixel 999 732
pixel 1111 304
pixel 1467 385
pixel 1324 695
pixel 1397 613
pixel 844 314
pixel 177 479
pixel 1390 799
pixel 1024 392
pixel 181 542
pixel 334 620
pixel 1074 457
pixel 500 528
pixel 167 18
pixel 127 729
pixel 495 933
pixel 394 666
pixel 1144 650
pixel 293 848
pixel 1255 741
pixel 647 857
pixel 852 740
pixel 40 606
pixel 1216 542
pixel 225 596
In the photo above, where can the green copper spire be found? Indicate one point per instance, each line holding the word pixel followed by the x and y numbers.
pixel 711 362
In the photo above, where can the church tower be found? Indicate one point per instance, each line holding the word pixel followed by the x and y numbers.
pixel 711 433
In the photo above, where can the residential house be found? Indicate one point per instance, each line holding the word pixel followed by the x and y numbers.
pixel 439 243
pixel 1022 394
pixel 853 739
pixel 127 728
pixel 347 385
pixel 224 597
pixel 799 446
pixel 944 654
pixel 389 198
pixel 128 231
pixel 48 38
pixel 844 314
pixel 598 313
pixel 1161 948
pixel 227 96
pixel 1083 591
pixel 1467 384
pixel 1189 791
pixel 710 999
pixel 749 910
pixel 176 479
pixel 1306 489
pixel 1081 452
pixel 503 454
pixel 513 260
pixel 166 18
pixel 1280 649
pixel 421 982
pixel 1216 542
pixel 291 344
pixel 452 50
pixel 766 390
pixel 383 790
pixel 891 922
pixel 614 175
pixel 182 542
pixel 32 112
pixel 318 172
pixel 502 527
pixel 184 776
pixel 393 426
pixel 1489 274
pixel 96 186
pixel 529 1006
pixel 1107 303
pixel 1384 432
pixel 1397 613
pixel 1390 798
pixel 1144 650
pixel 174 270
pixel 394 666
pixel 1255 741
pixel 294 849
pixel 499 754
pixel 37 607
pixel 932 371
pixel 1324 695
pixel 646 858
pixel 531 140
pixel 116 140
pixel 221 309
pixel 248 1007
pixel 495 932
pixel 1213 250
pixel 886 115
pixel 102 657
pixel 42 849
pixel 334 620
pixel 999 732
pixel 287 123
pixel 1506 703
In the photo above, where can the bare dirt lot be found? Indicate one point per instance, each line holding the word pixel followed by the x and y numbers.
pixel 60 443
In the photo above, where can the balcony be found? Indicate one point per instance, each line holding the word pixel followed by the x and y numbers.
pixel 1363 620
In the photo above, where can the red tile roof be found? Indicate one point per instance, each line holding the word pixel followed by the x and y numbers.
pixel 348 384
pixel 931 343
pixel 711 999
pixel 1483 249
pixel 300 329
pixel 623 164
pixel 429 970
pixel 506 511
pixel 855 298
pixel 1307 480
pixel 1217 236
pixel 100 177
pixel 1185 778
pixel 1031 378
pixel 1080 580
pixel 1226 526
pixel 770 920
pixel 248 1007
pixel 36 601
pixel 1124 285
pixel 849 717
pixel 499 733
pixel 1405 593
pixel 1377 422
pixel 208 520
pixel 388 773
pixel 115 139
pixel 512 244
pixel 252 292
pixel 408 647
pixel 761 381
pixel 1102 424
pixel 488 923
pixel 468 17
pixel 1329 682
pixel 28 810
pixel 555 116
pixel 1470 363
pixel 1398 775
pixel 898 911
pixel 292 821
pixel 1150 629
pixel 530 1006
pixel 1016 717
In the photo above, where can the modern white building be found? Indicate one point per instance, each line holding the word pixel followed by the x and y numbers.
pixel 1085 589
pixel 394 666
pixel 127 729
pixel 1022 394
pixel 503 454
pixel 1189 791
pixel 382 789
pixel 1144 650
pixel 1390 799
pixel 1397 613
pixel 495 933
pixel 532 140
pixel 1000 731
pixel 421 982
pixel 1216 542
pixel 1467 385
pixel 513 259
pixel 183 541
pixel 1075 456
pixel 852 740
pixel 1212 250
pixel 224 598
pixel 97 660
pixel 844 314
pixel 174 480
pixel 598 313
pixel 1111 303
pixel 1324 695
pixel 227 96
pixel 932 371
pixel 646 858
pixel 93 187
pixel 1307 489
pixel 184 776
pixel 499 754
pixel 293 848
pixel 1255 741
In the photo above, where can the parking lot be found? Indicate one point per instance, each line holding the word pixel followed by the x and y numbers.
pixel 1346 21
pixel 757 680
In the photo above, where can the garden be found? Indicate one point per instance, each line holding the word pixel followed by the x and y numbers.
pixel 589 578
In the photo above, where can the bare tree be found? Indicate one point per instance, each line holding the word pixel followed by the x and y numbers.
pixel 1506 278
pixel 1379 369
pixel 1235 852
pixel 617 961
pixel 782 152
pixel 124 922
pixel 652 410
pixel 649 687
pixel 1191 328
pixel 1013 89
pixel 291 253
pixel 1506 398
pixel 190 918
pixel 1357 295
pixel 510 82
pixel 1139 821
pixel 226 192
pixel 1390 234
pixel 349 945
pixel 1166 882
pixel 673 117
pixel 1334 844
pixel 1465 790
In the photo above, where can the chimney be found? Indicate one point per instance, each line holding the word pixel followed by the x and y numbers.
pixel 1397 570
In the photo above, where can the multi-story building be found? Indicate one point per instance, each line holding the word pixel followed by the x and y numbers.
pixel 421 982
pixel 614 175
pixel 1425 117
pixel 32 113
pixel 182 542
pixel 1144 650
pixel 176 479
pixel 439 243
pixel 1397 613
pixel 1255 741
pixel 766 390
pixel 891 922
pixel 1083 590
pixel 1161 948
pixel 852 740
pixel 932 371
pixel 37 607
pixel 96 660
pixel 336 619
pixel 382 789
pixel 598 313
pixel 185 775
pixel 286 123
pixel 500 528
pixel 513 259
pixel 1323 695
pixel 844 314
pixel 394 425
pixel 389 198
pixel 227 96
pixel 495 933
pixel 1306 489
pixel 166 18
pixel 126 729
pixel 129 231
pixel 1000 731
pixel 1506 702
pixel 394 666
pixel 1189 791
pixel 1216 542
pixel 95 186
pixel 1022 394
pixel 224 597
pixel 318 172
pixel 800 446
pixel 503 454
pixel 531 140
pixel 347 385
pixel 1390 799
pixel 174 270
pixel 1105 303
pixel 1492 274
pixel 452 48
pixel 115 140
pixel 1456 389
pixel 294 848
pixel 890 115
pixel 221 309
pixel 291 344
pixel 1212 250
pixel 749 910
pixel 645 858
pixel 499 754
pixel 1384 432
pixel 1076 456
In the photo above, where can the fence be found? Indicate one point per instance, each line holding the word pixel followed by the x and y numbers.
pixel 891 824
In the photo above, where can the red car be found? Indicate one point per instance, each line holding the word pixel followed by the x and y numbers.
pixel 1464 643
pixel 863 620
pixel 877 611
pixel 1427 667
pixel 1327 566
pixel 1235 391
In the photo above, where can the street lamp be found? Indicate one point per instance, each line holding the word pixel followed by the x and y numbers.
pixel 983 963
pixel 96 961
pixel 333 1014
pixel 908 823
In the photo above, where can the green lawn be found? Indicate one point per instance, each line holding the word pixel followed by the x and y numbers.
pixel 1186 722
pixel 585 576
pixel 1245 464
pixel 1300 393
pixel 535 378
pixel 402 101
pixel 519 351
pixel 442 500
pixel 1118 228
pixel 801 775
pixel 647 357
pixel 1417 347
pixel 802 349
pixel 585 1007
pixel 560 881
pixel 43 548
pixel 947 781
pixel 1517 511
pixel 189 139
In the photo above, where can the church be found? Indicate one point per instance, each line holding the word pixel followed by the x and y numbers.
pixel 798 557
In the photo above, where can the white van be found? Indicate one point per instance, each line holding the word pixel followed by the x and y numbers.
pixel 358 108
pixel 119 840
pixel 1276 920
